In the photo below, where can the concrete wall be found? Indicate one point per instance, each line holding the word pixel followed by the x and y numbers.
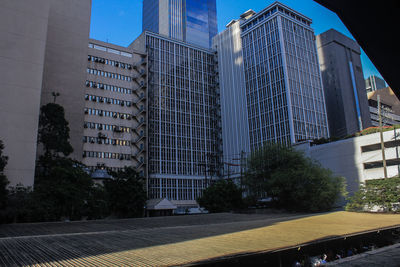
pixel 339 57
pixel 133 101
pixel 23 31
pixel 345 158
pixel 65 63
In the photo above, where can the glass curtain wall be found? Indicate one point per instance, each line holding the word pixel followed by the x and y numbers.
pixel 184 123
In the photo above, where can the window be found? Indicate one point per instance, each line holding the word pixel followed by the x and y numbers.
pixel 377 146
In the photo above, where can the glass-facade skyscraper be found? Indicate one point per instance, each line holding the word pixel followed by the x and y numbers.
pixel 285 101
pixel 192 21
pixel 285 97
pixel 184 130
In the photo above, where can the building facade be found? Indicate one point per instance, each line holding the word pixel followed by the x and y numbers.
pixel 115 116
pixel 390 107
pixel 184 119
pixel 43 52
pixel 343 80
pixel 23 34
pixel 373 83
pixel 285 98
pixel 357 159
pixel 191 21
pixel 65 63
pixel 235 126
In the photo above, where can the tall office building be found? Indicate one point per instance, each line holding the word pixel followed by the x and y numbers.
pixel 344 85
pixel 192 21
pixel 114 133
pixel 184 140
pixel 43 51
pixel 285 98
pixel 373 83
pixel 65 63
pixel 23 31
pixel 235 126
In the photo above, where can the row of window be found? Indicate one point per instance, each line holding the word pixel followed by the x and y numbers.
pixel 108 100
pixel 108 87
pixel 106 127
pixel 177 189
pixel 108 169
pixel 379 164
pixel 109 50
pixel 110 62
pixel 103 140
pixel 106 155
pixel 111 75
pixel 106 113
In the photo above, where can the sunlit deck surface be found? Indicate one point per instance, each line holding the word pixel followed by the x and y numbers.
pixel 173 240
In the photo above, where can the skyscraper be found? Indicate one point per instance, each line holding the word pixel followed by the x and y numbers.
pixel 344 86
pixel 285 98
pixel 184 140
pixel 373 83
pixel 235 125
pixel 192 21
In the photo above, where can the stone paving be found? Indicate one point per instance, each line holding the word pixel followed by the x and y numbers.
pixel 166 241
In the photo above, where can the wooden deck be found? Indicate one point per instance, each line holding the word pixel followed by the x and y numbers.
pixel 172 240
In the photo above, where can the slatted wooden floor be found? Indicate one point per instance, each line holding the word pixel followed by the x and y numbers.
pixel 171 240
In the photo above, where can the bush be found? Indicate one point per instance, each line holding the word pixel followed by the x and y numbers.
pixel 221 196
pixel 378 194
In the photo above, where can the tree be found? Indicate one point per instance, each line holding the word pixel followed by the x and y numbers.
pixel 221 196
pixel 126 193
pixel 97 206
pixel 382 194
pixel 291 180
pixel 64 189
pixel 54 130
pixel 62 186
pixel 3 179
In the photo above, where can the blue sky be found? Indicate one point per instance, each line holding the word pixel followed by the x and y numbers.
pixel 120 21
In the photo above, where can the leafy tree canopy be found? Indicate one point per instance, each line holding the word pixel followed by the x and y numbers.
pixel 126 193
pixel 54 130
pixel 293 181
pixel 221 196
pixel 65 187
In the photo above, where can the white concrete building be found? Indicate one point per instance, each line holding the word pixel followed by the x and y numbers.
pixel 235 123
pixel 357 159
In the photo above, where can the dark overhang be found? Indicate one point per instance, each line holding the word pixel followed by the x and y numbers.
pixel 375 26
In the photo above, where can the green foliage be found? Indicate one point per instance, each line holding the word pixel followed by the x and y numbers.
pixel 378 193
pixel 64 188
pixel 324 140
pixel 221 196
pixel 3 179
pixel 97 206
pixel 372 130
pixel 293 181
pixel 18 203
pixel 126 193
pixel 53 130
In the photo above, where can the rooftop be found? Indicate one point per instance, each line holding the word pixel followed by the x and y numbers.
pixel 174 240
